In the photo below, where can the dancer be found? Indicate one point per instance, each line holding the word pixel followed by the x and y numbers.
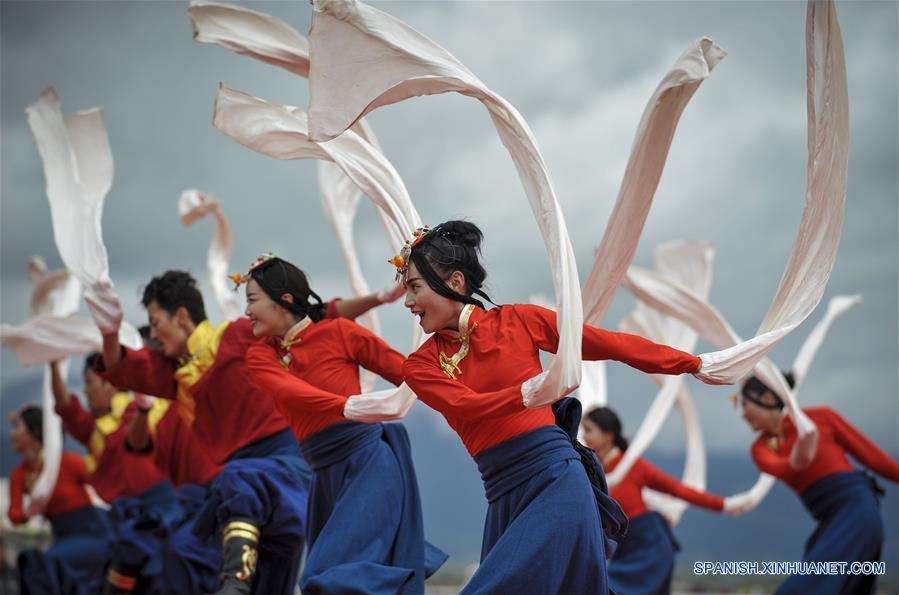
pixel 842 500
pixel 258 500
pixel 309 365
pixel 144 504
pixel 644 559
pixel 187 563
pixel 81 533
pixel 542 533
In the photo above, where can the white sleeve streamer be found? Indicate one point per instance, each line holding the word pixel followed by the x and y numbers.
pixel 689 262
pixel 836 307
pixel 271 40
pixel 363 59
pixel 250 33
pixel 382 405
pixel 644 170
pixel 47 338
pixel 340 201
pixel 814 251
pixel 281 132
pixel 78 167
pixel 192 206
pixel 56 293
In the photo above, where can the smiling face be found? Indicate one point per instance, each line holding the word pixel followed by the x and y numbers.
pixel 434 311
pixel 268 318
pixel 170 331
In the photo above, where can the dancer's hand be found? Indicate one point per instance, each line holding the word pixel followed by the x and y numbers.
pixel 529 387
pixel 142 401
pixel 391 293
pixel 104 306
pixel 738 504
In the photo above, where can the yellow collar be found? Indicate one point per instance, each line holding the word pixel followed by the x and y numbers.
pixel 198 339
pixel 104 426
pixel 203 345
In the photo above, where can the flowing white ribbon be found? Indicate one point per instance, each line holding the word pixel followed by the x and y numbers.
pixel 690 263
pixel 814 251
pixel 644 170
pixel 363 58
pixel 281 132
pixel 78 168
pixel 271 40
pixel 193 206
pixel 56 293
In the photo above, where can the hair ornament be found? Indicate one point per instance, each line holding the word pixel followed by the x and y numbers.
pixel 241 278
pixel 401 260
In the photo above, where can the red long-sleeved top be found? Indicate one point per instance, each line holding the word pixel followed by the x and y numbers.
pixel 483 405
pixel 836 438
pixel 68 494
pixel 118 472
pixel 177 452
pixel 629 491
pixel 323 371
pixel 231 412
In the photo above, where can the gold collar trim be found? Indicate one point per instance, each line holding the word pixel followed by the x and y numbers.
pixel 450 364
pixel 291 338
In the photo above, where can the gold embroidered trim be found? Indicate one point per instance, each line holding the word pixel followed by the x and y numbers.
pixel 450 364
pixel 248 558
pixel 244 526
pixel 291 338
pixel 240 533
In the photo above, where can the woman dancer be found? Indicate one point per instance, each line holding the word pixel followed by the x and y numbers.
pixel 81 533
pixel 542 532
pixel 644 559
pixel 841 499
pixel 364 526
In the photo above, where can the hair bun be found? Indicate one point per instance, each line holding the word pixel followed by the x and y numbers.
pixel 465 233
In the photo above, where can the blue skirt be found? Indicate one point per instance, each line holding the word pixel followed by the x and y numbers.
pixel 266 482
pixel 75 563
pixel 365 529
pixel 849 529
pixel 543 533
pixel 644 559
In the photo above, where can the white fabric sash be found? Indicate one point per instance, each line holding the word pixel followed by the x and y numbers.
pixel 193 206
pixel 363 58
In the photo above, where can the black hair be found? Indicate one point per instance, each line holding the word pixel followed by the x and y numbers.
pixel 276 277
pixel 90 361
pixel 754 389
pixel 32 417
pixel 452 246
pixel 608 421
pixel 144 332
pixel 173 290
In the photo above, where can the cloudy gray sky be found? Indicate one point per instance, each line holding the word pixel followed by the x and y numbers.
pixel 580 73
